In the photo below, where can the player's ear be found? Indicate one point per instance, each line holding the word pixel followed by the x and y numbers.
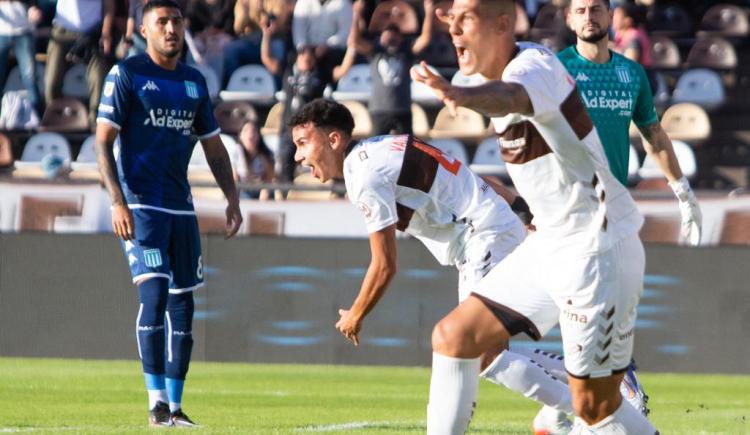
pixel 505 23
pixel 335 139
pixel 142 29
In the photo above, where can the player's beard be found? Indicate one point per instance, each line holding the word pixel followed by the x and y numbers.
pixel 594 37
pixel 170 53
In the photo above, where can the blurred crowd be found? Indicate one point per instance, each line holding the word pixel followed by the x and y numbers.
pixel 306 45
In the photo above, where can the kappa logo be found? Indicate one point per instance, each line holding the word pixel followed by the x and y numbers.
pixel 150 86
pixel 581 77
pixel 152 257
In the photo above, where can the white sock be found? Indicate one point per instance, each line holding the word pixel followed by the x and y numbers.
pixel 551 361
pixel 174 406
pixel 156 396
pixel 453 394
pixel 625 421
pixel 520 374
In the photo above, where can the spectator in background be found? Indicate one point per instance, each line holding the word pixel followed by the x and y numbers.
pixel 81 32
pixel 390 61
pixel 251 17
pixel 257 163
pixel 134 42
pixel 17 22
pixel 211 28
pixel 302 84
pixel 324 25
pixel 631 39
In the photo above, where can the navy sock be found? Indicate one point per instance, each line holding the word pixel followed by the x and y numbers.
pixel 180 309
pixel 150 324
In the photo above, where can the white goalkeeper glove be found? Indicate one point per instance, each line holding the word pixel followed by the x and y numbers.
pixel 692 218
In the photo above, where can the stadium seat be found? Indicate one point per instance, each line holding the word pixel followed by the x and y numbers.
pixel 6 151
pixel 672 21
pixel 459 79
pixel 87 154
pixel 736 228
pixel 665 55
pixel 232 115
pixel 356 85
pixel 660 229
pixel 43 144
pixel 13 83
pixel 362 120
pixel 66 115
pixel 700 86
pixel 728 21
pixel 74 82
pixel 487 158
pixel 396 12
pixel 85 166
pixel 273 120
pixel 212 79
pixel 687 122
pixel 685 156
pixel 453 148
pixel 423 94
pixel 468 125
pixel 419 124
pixel 250 83
pixel 272 141
pixel 714 53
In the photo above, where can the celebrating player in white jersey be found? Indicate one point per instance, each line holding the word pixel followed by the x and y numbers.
pixel 402 183
pixel 583 266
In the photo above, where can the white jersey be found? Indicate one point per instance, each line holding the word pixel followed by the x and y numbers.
pixel 557 162
pixel 404 181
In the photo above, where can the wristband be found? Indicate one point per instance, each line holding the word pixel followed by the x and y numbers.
pixel 521 208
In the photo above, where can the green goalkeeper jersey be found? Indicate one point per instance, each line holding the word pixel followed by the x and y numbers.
pixel 615 93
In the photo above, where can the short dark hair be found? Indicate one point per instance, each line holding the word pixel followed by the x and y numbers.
pixel 154 4
pixel 324 114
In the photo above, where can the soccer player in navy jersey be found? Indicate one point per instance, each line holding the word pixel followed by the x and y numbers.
pixel 153 104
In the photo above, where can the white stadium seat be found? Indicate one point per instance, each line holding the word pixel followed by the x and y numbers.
pixel 250 83
pixel 685 156
pixel 700 86
pixel 487 159
pixel 356 85
pixel 74 82
pixel 43 144
pixel 421 93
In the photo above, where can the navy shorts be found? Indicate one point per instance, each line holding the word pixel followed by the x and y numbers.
pixel 166 246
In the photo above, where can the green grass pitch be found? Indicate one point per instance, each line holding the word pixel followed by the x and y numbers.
pixel 83 396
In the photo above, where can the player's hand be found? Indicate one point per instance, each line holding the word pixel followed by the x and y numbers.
pixel 690 212
pixel 692 222
pixel 349 326
pixel 450 95
pixel 122 222
pixel 234 219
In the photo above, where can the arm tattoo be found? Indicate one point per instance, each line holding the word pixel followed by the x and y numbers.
pixel 105 158
pixel 497 98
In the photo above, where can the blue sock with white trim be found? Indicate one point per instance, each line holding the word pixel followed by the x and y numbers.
pixel 180 309
pixel 150 336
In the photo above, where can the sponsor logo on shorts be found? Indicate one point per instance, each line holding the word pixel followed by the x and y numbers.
pixel 575 317
pixel 152 257
pixel 364 209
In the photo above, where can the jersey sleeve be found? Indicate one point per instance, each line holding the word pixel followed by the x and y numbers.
pixel 375 198
pixel 544 78
pixel 205 124
pixel 645 113
pixel 115 98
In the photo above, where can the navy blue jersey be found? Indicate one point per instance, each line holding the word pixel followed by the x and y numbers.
pixel 156 111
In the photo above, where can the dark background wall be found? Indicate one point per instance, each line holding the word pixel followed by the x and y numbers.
pixel 276 300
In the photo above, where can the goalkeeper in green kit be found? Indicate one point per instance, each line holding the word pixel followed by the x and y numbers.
pixel 616 91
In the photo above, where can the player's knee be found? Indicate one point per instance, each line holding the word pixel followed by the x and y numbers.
pixel 452 339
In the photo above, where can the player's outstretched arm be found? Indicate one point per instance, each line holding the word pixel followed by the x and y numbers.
pixel 494 99
pixel 221 168
pixel 122 219
pixel 658 145
pixel 382 269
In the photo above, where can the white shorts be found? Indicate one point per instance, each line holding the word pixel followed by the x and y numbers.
pixel 593 296
pixel 482 252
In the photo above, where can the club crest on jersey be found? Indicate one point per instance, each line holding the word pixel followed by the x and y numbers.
pixel 152 257
pixel 192 89
pixel 623 74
